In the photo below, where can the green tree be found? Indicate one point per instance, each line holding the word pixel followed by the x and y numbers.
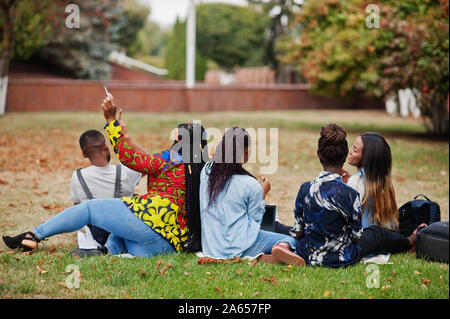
pixel 341 56
pixel 132 20
pixel 83 52
pixel 175 55
pixel 150 41
pixel 231 35
pixel 34 23
pixel 24 27
pixel 282 27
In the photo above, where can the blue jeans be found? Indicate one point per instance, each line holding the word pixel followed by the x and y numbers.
pixel 128 232
pixel 265 241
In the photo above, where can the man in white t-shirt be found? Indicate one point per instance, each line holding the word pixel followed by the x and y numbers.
pixel 101 179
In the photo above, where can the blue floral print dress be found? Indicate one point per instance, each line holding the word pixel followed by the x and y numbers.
pixel 329 213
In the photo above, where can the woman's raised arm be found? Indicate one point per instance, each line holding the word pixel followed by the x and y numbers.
pixel 129 153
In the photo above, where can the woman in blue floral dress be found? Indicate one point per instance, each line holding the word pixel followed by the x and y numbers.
pixel 327 211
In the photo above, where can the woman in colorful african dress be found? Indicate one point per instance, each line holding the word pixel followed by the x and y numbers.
pixel 155 223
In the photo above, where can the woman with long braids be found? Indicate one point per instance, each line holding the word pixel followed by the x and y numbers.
pixel 327 211
pixel 232 207
pixel 372 156
pixel 151 224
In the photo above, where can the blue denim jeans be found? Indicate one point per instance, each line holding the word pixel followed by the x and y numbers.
pixel 129 234
pixel 265 241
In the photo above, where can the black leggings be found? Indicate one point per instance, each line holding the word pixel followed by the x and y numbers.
pixel 282 229
pixel 376 239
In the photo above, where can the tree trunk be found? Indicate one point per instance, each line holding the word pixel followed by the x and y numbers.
pixel 439 116
pixel 7 10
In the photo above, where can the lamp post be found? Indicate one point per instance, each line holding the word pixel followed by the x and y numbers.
pixel 190 46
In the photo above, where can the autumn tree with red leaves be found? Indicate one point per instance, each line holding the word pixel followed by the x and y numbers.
pixel 341 56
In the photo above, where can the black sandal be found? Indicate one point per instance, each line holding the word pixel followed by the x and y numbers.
pixel 16 241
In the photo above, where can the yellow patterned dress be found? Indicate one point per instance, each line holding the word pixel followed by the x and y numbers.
pixel 163 207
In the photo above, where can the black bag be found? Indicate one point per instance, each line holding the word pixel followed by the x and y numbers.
pixel 268 221
pixel 432 242
pixel 416 212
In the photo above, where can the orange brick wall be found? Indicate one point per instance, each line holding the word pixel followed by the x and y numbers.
pixel 82 95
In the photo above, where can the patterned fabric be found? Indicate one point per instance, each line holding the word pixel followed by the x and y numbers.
pixel 329 213
pixel 163 207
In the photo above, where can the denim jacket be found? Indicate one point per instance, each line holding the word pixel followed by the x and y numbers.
pixel 357 182
pixel 231 224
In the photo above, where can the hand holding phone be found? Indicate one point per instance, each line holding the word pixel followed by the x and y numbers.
pixel 108 107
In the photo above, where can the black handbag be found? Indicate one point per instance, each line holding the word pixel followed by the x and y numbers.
pixel 416 212
pixel 432 242
pixel 268 221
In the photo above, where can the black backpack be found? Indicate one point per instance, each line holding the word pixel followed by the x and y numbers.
pixel 432 242
pixel 416 212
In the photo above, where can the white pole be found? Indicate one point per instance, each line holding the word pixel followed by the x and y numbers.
pixel 190 46
pixel 3 90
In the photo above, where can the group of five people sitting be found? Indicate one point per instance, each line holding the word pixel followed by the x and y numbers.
pixel 216 206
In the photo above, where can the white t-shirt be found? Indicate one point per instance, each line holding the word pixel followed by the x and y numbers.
pixel 101 182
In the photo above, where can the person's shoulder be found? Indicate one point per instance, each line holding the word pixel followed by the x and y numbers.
pixel 355 177
pixel 74 180
pixel 74 174
pixel 129 176
pixel 356 182
pixel 126 170
pixel 347 191
pixel 304 187
pixel 82 170
pixel 247 182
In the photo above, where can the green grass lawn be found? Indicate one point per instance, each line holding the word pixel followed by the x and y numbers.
pixel 45 275
pixel 39 152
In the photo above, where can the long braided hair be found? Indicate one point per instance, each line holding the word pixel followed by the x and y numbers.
pixel 192 137
pixel 227 161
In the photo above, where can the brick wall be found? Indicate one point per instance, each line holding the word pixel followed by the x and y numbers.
pixel 83 95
